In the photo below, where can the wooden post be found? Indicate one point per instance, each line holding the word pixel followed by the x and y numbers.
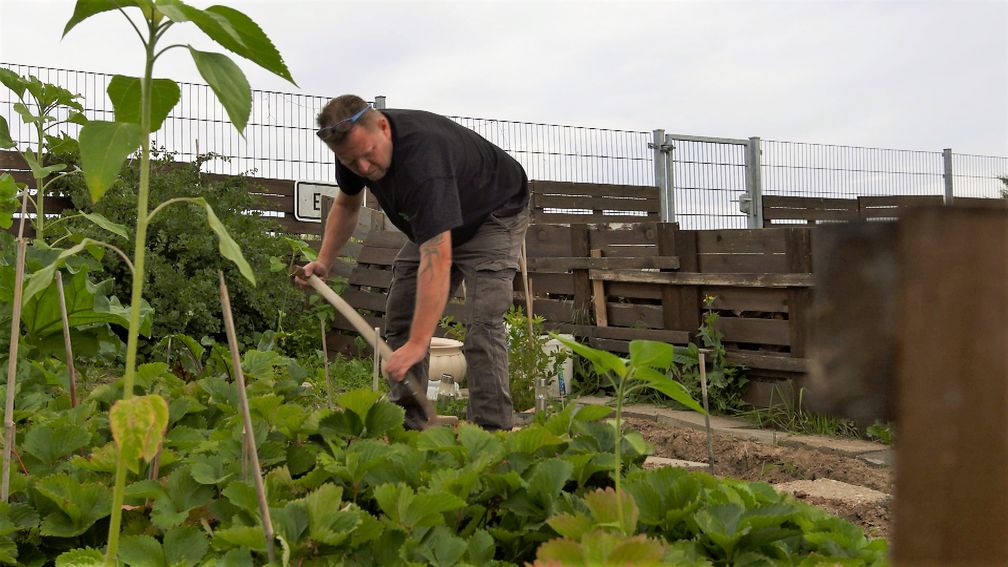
pixel 666 237
pixel 952 427
pixel 599 297
pixel 682 306
pixel 581 247
pixel 798 242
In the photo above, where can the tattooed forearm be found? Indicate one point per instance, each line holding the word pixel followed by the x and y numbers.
pixel 430 256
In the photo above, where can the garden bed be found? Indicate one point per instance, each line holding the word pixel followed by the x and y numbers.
pixel 755 461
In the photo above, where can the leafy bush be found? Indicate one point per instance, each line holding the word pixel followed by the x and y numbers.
pixel 183 259
pixel 526 359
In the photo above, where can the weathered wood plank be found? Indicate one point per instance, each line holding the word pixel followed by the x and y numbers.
pixel 591 189
pixel 643 233
pixel 775 201
pixel 580 247
pixel 378 256
pixel 545 240
pixel 594 203
pixel 703 279
pixel 570 218
pixel 635 315
pixel 755 241
pixel 11 160
pixel 743 263
pixel 755 331
pixel 359 299
pixel 749 299
pixel 567 263
pixel 810 214
pixel 366 275
pixel 780 362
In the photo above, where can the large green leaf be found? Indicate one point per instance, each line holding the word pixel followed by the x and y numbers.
pixel 233 30
pixel 86 304
pixel 8 199
pixel 229 84
pixel 138 425
pixel 185 545
pixel 102 221
pixel 601 360
pixel 43 277
pixel 653 354
pixel 5 137
pixel 124 92
pixel 658 381
pixel 53 441
pixel 40 171
pixel 141 551
pixel 227 246
pixel 87 8
pixel 79 504
pixel 104 147
pixel 181 495
pixel 87 557
pixel 12 81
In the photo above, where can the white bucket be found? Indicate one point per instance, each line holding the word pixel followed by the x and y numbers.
pixel 564 380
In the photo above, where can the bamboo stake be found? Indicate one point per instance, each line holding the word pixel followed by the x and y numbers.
pixel 12 364
pixel 71 370
pixel 523 263
pixel 703 390
pixel 246 418
pixel 377 361
pixel 325 362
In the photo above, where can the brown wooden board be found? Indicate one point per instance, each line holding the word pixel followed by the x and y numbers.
pixel 571 218
pixel 635 315
pixel 10 160
pixel 378 256
pixel 545 240
pixel 743 263
pixel 745 241
pixel 592 189
pixel 748 299
pixel 594 203
pixel 779 362
pixel 755 331
pixel 367 275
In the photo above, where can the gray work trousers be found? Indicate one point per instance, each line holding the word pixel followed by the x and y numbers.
pixel 487 263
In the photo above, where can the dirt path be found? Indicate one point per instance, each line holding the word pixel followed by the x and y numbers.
pixel 775 464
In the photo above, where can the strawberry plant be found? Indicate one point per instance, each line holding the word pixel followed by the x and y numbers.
pixel 350 486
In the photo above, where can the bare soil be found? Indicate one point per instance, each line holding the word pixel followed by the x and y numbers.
pixel 754 461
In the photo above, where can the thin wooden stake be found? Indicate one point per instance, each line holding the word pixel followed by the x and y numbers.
pixel 377 361
pixel 246 418
pixel 12 365
pixel 703 391
pixel 71 370
pixel 523 263
pixel 325 363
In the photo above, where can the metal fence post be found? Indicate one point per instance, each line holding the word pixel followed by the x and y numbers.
pixel 947 159
pixel 754 184
pixel 379 102
pixel 670 177
pixel 661 176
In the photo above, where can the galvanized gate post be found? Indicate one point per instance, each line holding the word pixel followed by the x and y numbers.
pixel 663 175
pixel 752 201
pixel 947 160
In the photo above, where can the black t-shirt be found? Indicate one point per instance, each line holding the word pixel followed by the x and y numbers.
pixel 443 177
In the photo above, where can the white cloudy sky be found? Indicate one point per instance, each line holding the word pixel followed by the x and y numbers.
pixel 900 74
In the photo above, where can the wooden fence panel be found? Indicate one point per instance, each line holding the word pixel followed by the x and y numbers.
pixel 778 210
pixel 553 201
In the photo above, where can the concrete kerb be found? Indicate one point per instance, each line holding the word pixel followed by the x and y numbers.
pixel 873 453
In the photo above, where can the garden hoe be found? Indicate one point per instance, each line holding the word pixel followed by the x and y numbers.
pixel 410 381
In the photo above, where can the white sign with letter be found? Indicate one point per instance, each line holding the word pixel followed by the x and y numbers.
pixel 308 199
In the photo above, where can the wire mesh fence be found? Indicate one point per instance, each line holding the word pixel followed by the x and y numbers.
pixel 708 177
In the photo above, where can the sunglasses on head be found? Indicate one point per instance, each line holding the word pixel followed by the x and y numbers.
pixel 340 128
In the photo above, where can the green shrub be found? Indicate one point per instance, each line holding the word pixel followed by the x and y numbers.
pixel 183 259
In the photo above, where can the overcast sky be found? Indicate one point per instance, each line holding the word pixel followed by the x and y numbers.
pixel 898 74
